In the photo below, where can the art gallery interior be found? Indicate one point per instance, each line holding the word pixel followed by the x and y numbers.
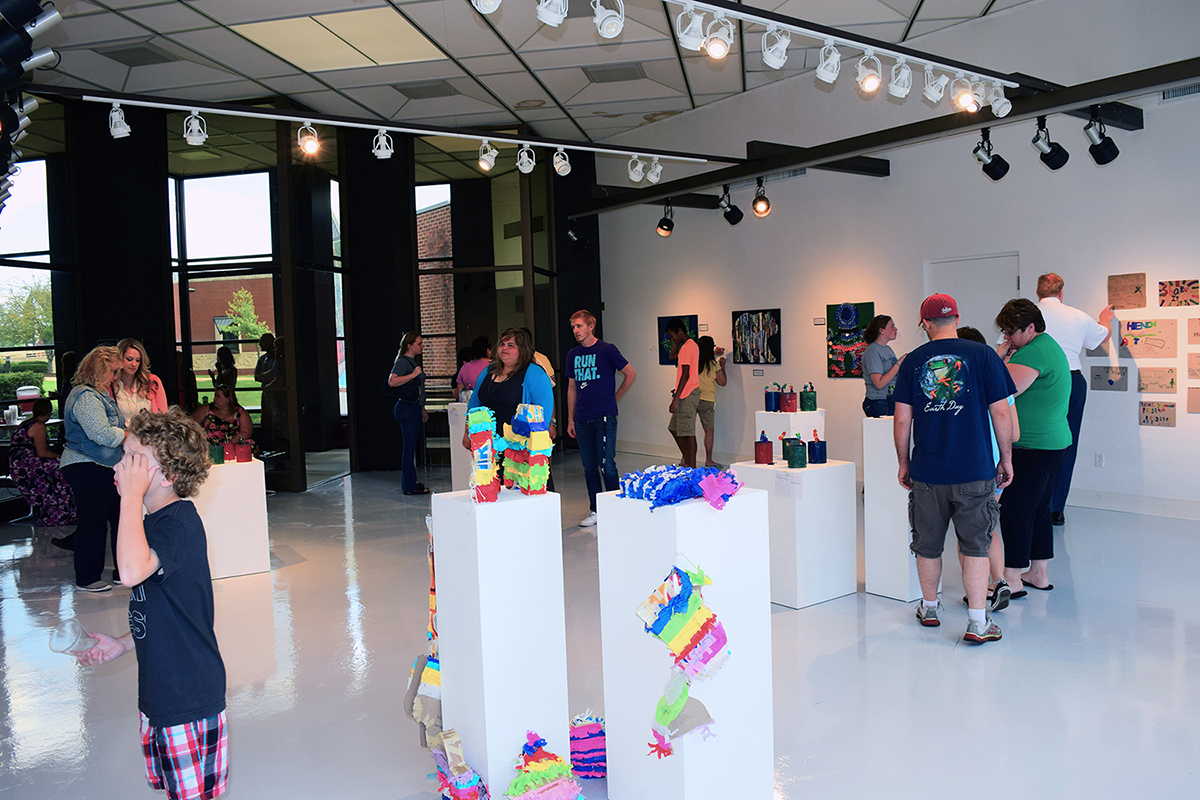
pixel 874 198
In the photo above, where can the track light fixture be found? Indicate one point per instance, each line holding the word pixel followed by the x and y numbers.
pixel 577 240
pixel 526 159
pixel 761 205
pixel 485 6
pixel 306 137
pixel 487 156
pixel 831 62
pixel 774 47
pixel 719 37
pixel 965 97
pixel 609 21
pixel 654 174
pixel 691 33
pixel 15 119
pixel 195 129
pixel 994 166
pixel 870 73
pixel 637 169
pixel 382 146
pixel 935 85
pixel 552 12
pixel 117 126
pixel 667 223
pixel 1104 150
pixel 1000 104
pixel 562 164
pixel 1053 154
pixel 901 81
pixel 733 215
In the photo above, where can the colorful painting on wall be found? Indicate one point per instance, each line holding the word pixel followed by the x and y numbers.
pixel 1179 293
pixel 757 336
pixel 844 344
pixel 690 321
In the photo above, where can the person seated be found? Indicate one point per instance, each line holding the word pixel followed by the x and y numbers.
pixel 224 420
pixel 33 467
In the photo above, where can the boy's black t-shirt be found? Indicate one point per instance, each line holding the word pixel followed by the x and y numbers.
pixel 181 677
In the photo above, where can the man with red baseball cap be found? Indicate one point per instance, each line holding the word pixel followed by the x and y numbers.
pixel 945 392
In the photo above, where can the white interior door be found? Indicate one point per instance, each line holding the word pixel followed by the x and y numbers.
pixel 981 285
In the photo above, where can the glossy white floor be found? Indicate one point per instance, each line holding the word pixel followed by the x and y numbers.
pixel 1095 687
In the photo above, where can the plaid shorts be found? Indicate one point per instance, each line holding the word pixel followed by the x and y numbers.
pixel 189 761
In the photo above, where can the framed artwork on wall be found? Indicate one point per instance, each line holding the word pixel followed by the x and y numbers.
pixel 845 324
pixel 690 321
pixel 757 336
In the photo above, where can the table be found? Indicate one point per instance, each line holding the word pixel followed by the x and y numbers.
pixel 232 503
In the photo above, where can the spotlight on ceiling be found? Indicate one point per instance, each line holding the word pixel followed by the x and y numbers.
pixel 901 81
pixel 667 223
pixel 655 172
pixel 719 38
pixel 994 166
pixel 487 156
pixel 637 169
pixel 577 240
pixel 525 159
pixel 870 73
pixel 15 119
pixel 485 6
pixel 963 93
pixel 562 164
pixel 761 205
pixel 1104 150
pixel 552 12
pixel 1000 104
pixel 117 125
pixel 195 129
pixel 609 21
pixel 1053 154
pixel 733 215
pixel 774 47
pixel 306 137
pixel 831 62
pixel 691 34
pixel 935 85
pixel 382 147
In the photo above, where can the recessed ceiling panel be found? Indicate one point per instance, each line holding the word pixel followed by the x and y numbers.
pixel 157 77
pixel 458 27
pixel 332 103
pixel 564 83
pixel 636 108
pixel 620 93
pixel 382 34
pixel 578 57
pixel 169 18
pixel 557 129
pixel 383 100
pixel 289 84
pixel 78 9
pixel 650 13
pixel 492 65
pixel 235 52
pixel 446 106
pixel 945 9
pixel 515 87
pixel 90 30
pixel 392 74
pixel 666 72
pixel 220 92
pixel 232 12
pixel 487 120
pixel 99 70
pixel 306 43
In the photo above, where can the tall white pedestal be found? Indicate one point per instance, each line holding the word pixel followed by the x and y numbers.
pixel 460 457
pixel 793 422
pixel 814 533
pixel 232 502
pixel 502 635
pixel 891 568
pixel 637 550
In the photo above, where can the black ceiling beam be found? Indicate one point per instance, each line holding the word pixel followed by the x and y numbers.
pixel 1060 101
pixel 1113 115
pixel 704 202
pixel 858 165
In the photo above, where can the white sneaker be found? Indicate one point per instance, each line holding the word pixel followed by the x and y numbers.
pixel 588 521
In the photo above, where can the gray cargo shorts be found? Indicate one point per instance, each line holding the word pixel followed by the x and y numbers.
pixel 972 506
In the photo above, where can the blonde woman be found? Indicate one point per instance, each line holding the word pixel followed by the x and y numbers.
pixel 137 389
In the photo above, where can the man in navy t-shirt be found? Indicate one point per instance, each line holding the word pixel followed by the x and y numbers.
pixel 945 392
pixel 592 396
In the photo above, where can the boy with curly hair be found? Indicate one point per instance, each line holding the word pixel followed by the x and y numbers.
pixel 164 557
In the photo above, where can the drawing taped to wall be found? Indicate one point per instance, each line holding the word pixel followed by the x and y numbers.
pixel 1127 291
pixel 844 344
pixel 1179 293
pixel 1157 380
pixel 1110 379
pixel 1154 414
pixel 1193 400
pixel 1148 338
pixel 757 336
pixel 1194 366
pixel 1194 332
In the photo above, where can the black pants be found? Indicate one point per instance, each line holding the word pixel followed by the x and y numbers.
pixel 96 504
pixel 1025 507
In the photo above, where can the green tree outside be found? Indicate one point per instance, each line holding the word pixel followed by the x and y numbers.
pixel 242 318
pixel 26 316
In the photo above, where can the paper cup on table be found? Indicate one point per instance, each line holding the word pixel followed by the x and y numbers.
pixel 70 638
pixel 216 453
pixel 244 453
pixel 230 451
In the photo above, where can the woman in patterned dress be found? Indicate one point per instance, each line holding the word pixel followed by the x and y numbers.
pixel 34 469
pixel 224 420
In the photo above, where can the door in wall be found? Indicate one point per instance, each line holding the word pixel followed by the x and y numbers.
pixel 981 285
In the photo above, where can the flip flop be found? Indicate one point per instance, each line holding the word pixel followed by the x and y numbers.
pixel 1045 588
pixel 1017 595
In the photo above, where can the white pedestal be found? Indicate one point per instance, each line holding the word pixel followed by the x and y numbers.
pixel 637 550
pixel 460 457
pixel 891 568
pixel 244 621
pixel 232 502
pixel 814 533
pixel 502 634
pixel 794 422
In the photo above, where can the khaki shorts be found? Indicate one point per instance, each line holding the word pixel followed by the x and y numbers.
pixel 683 421
pixel 708 412
pixel 972 506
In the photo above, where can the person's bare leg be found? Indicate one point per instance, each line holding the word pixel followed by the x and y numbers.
pixel 708 446
pixel 929 571
pixel 688 445
pixel 975 580
pixel 1037 572
pixel 682 447
pixel 996 557
pixel 1013 577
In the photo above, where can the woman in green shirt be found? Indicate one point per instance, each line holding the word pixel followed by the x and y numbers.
pixel 1039 369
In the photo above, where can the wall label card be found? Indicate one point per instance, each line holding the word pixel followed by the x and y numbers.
pixel 1179 293
pixel 1148 338
pixel 1127 291
pixel 1194 366
pixel 1156 415
pixel 1110 379
pixel 1157 380
pixel 1194 331
pixel 1194 399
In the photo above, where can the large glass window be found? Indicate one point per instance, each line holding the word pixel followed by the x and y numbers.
pixel 228 218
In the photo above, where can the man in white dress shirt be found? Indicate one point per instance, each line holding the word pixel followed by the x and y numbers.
pixel 1073 330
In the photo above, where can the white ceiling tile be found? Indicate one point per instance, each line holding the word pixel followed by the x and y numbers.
pixel 903 7
pixel 287 84
pixel 636 108
pixel 459 27
pixel 517 23
pixel 157 77
pixel 705 99
pixel 382 34
pixel 618 93
pixel 650 13
pixel 305 43
pixel 945 9
pixel 837 13
pixel 884 31
pixel 467 120
pixel 514 87
pixel 169 18
pixel 328 102
pixel 122 4
pixel 763 77
pixel 75 8
pixel 95 67
pixel 469 87
pixel 383 100
pixel 706 76
pixel 557 129
pixel 94 29
pixel 543 114
pixel 564 83
pixel 666 72
pixel 456 105
pixel 491 65
pixel 220 92
pixel 576 57
pixel 234 52
pixel 233 12
pixel 1000 5
pixel 924 26
pixel 392 73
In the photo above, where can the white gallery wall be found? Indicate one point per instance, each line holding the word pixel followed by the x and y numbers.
pixel 835 238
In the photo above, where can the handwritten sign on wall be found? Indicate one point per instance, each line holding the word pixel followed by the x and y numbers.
pixel 1127 291
pixel 1110 379
pixel 1194 399
pixel 1154 414
pixel 1179 293
pixel 1194 331
pixel 1194 366
pixel 1148 338
pixel 1157 380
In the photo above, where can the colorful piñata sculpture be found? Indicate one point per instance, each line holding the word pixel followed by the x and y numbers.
pixel 666 486
pixel 456 779
pixel 677 615
pixel 542 775
pixel 485 475
pixel 423 700
pixel 588 756
pixel 526 447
